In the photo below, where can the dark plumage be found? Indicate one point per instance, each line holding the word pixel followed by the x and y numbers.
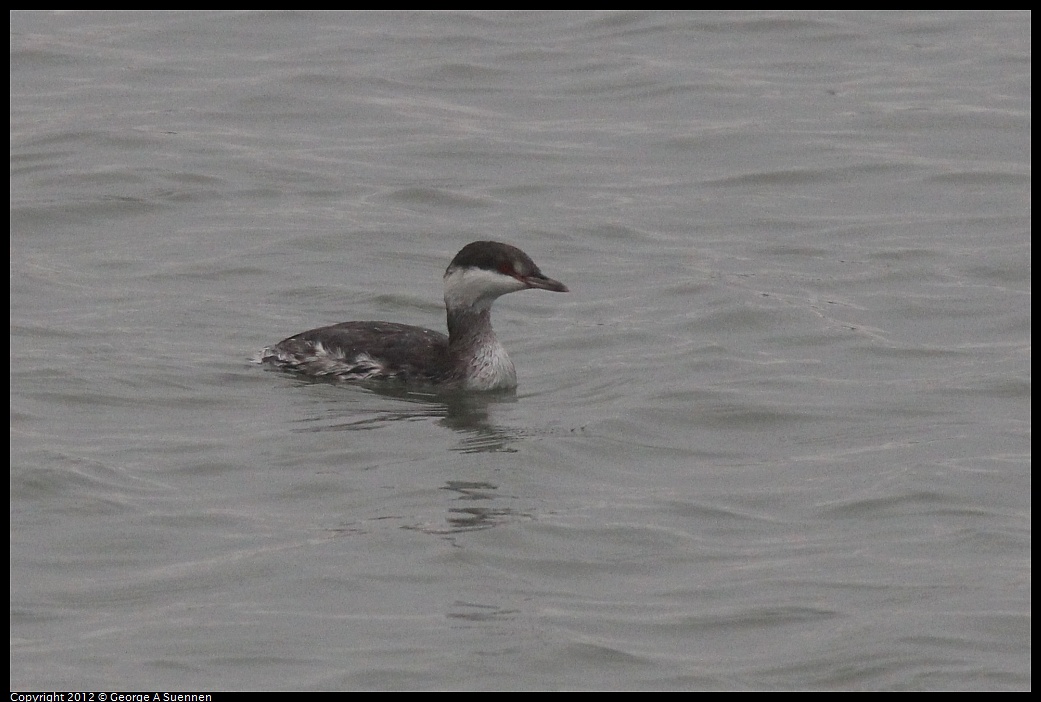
pixel 470 356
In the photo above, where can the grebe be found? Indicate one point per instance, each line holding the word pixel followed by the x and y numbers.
pixel 470 357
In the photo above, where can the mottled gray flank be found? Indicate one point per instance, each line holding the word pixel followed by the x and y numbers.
pixel 778 435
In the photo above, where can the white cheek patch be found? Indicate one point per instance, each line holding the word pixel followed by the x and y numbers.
pixel 476 287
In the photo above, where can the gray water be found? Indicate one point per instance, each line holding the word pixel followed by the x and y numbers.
pixel 776 437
